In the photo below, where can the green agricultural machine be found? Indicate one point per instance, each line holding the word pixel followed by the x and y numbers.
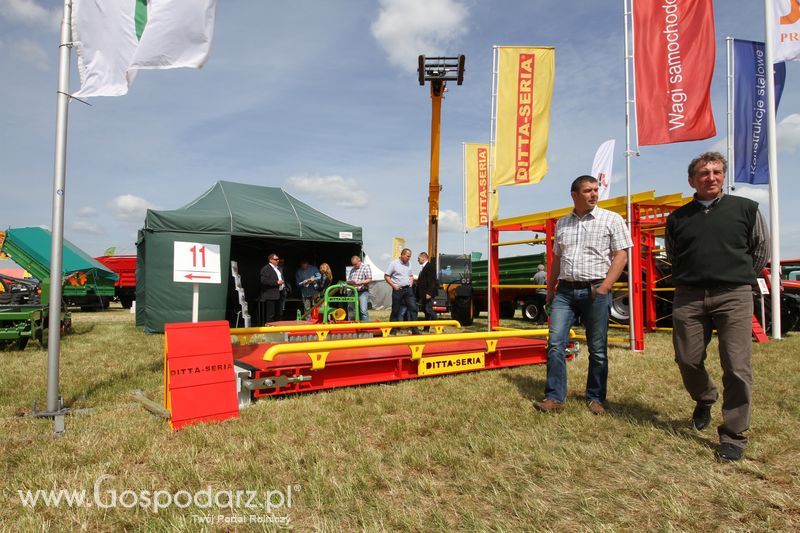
pixel 24 303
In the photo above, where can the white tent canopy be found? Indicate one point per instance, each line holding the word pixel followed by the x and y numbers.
pixel 380 294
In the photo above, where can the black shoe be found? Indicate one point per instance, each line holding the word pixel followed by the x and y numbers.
pixel 701 417
pixel 728 453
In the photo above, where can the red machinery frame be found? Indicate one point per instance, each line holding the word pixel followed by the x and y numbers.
pixel 648 220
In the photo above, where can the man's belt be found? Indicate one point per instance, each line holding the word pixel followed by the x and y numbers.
pixel 579 284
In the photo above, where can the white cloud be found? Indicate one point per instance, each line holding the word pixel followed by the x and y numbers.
pixel 408 28
pixel 31 13
pixel 84 226
pixel 87 212
pixel 30 53
pixel 450 221
pixel 720 146
pixel 617 177
pixel 344 192
pixel 130 208
pixel 758 194
pixel 386 256
pixel 789 133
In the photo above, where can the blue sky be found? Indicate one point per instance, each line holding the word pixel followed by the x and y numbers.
pixel 321 98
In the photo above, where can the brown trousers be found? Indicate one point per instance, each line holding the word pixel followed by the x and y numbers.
pixel 695 312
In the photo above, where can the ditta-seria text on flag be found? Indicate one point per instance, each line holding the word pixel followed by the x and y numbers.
pixel 476 176
pixel 524 92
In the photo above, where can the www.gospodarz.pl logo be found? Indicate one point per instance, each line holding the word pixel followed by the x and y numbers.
pixel 156 500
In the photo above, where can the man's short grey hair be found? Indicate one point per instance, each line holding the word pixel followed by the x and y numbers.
pixel 540 267
pixel 707 157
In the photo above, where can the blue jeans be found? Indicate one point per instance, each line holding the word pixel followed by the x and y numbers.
pixel 363 307
pixel 404 306
pixel 567 304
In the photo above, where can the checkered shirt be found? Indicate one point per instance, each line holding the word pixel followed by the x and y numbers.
pixel 362 273
pixel 587 244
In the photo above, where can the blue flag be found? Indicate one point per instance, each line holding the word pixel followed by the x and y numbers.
pixel 750 110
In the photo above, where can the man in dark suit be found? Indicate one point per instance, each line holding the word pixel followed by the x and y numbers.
pixel 271 285
pixel 427 287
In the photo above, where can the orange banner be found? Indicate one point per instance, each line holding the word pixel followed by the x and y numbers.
pixel 524 92
pixel 476 176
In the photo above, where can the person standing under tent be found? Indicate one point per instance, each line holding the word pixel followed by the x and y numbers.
pixel 271 283
pixel 307 277
pixel 360 277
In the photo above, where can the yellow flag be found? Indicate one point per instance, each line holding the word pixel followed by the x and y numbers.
pixel 398 243
pixel 476 176
pixel 524 92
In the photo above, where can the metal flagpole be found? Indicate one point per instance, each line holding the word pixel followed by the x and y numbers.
pixel 731 66
pixel 492 155
pixel 55 408
pixel 628 154
pixel 774 219
pixel 464 194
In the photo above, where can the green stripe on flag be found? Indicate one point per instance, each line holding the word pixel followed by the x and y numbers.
pixel 140 17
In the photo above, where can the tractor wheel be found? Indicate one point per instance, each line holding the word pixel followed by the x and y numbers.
pixel 620 309
pixel 462 310
pixel 531 309
pixel 507 310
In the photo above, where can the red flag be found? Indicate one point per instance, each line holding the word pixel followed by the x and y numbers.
pixel 674 59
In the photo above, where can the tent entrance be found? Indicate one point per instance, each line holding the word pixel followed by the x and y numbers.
pixel 251 253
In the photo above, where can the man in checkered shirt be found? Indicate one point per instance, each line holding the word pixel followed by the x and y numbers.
pixel 360 277
pixel 590 251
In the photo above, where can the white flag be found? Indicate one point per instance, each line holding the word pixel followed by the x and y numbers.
pixel 602 166
pixel 114 38
pixel 785 16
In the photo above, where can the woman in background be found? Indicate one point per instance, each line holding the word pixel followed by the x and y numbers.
pixel 327 277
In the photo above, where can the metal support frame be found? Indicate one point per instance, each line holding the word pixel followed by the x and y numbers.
pixel 635 281
pixel 493 279
pixel 438 70
pixel 55 407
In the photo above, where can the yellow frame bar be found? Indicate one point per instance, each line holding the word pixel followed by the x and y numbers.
pixel 318 351
pixel 523 241
pixel 322 330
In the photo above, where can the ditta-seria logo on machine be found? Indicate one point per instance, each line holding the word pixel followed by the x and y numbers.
pixel 243 506
pixel 451 363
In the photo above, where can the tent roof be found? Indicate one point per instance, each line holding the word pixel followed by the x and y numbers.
pixel 241 209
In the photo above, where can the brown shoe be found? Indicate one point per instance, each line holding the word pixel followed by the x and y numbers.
pixel 596 408
pixel 548 405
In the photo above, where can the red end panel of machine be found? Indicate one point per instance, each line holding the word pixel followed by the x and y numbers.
pixel 199 380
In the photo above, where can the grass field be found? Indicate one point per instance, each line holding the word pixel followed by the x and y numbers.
pixel 454 452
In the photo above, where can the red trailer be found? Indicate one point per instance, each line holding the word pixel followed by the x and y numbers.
pixel 125 267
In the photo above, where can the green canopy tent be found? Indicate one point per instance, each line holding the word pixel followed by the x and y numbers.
pixel 247 222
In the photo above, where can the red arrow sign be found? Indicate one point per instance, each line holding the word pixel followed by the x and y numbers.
pixel 195 276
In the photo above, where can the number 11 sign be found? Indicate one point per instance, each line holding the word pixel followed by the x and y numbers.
pixel 196 262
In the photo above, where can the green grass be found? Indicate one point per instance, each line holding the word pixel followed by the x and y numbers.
pixel 452 452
